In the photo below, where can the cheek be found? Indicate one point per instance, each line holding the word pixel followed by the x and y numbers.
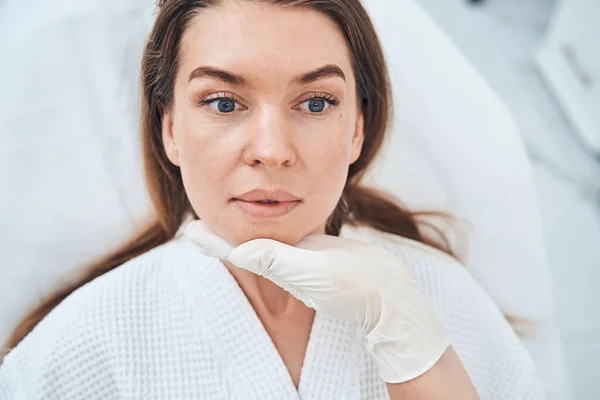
pixel 206 162
pixel 327 162
pixel 328 171
pixel 328 153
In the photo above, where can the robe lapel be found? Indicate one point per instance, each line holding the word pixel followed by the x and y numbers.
pixel 253 364
pixel 329 367
pixel 253 368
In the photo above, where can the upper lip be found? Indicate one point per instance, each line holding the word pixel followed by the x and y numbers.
pixel 262 195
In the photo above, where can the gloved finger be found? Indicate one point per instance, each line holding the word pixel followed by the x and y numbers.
pixel 293 290
pixel 266 257
pixel 212 244
pixel 286 266
pixel 256 256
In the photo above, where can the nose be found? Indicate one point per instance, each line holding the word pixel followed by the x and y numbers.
pixel 270 140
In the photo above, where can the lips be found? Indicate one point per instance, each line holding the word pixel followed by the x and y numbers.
pixel 267 204
pixel 267 196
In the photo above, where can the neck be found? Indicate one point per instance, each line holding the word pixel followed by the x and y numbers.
pixel 268 300
pixel 271 303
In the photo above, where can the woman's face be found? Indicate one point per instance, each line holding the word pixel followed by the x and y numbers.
pixel 265 99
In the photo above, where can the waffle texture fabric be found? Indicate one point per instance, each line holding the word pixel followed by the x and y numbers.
pixel 174 324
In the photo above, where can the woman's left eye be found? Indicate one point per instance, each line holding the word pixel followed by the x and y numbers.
pixel 317 105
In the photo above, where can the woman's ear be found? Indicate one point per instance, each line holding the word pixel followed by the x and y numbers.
pixel 168 138
pixel 358 138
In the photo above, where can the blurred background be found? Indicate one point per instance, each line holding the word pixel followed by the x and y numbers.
pixel 543 58
pixel 497 107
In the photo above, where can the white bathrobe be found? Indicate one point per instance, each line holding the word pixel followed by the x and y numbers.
pixel 173 324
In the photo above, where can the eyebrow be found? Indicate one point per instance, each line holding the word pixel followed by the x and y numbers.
pixel 327 71
pixel 220 74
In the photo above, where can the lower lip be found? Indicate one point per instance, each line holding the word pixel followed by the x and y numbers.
pixel 266 210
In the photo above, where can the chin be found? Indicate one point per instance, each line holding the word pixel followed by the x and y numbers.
pixel 280 234
pixel 284 232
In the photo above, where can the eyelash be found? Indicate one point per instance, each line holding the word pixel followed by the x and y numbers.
pixel 329 98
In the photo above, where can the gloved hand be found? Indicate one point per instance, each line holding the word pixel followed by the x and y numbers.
pixel 351 280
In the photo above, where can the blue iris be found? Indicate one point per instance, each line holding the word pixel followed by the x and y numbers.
pixel 316 105
pixel 226 106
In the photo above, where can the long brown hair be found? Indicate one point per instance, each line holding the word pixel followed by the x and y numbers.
pixel 358 205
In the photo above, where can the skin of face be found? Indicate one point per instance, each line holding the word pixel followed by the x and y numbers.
pixel 275 131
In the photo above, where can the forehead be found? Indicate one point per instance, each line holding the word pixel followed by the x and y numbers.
pixel 261 40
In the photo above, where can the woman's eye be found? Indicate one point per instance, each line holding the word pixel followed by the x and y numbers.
pixel 223 105
pixel 315 105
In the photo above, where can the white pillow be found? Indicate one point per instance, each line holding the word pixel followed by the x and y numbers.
pixel 70 160
pixel 456 148
pixel 72 186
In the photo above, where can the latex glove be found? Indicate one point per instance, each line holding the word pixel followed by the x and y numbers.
pixel 349 280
